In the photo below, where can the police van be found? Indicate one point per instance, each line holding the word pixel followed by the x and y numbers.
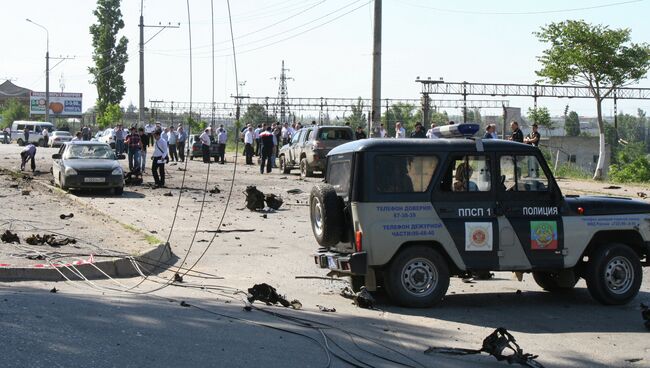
pixel 408 214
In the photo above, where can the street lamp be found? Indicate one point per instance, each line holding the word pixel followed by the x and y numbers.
pixel 47 70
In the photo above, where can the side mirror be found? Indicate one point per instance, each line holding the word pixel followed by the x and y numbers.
pixel 56 156
pixel 121 157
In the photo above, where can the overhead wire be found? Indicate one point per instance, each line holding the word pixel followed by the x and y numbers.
pixel 537 12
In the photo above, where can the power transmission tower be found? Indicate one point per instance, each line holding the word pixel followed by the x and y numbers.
pixel 283 95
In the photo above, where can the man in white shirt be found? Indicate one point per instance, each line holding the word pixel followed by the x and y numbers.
pixel 399 131
pixel 148 131
pixel 159 157
pixel 46 137
pixel 172 137
pixel 285 133
pixel 430 134
pixel 205 145
pixel 248 145
pixel 382 131
pixel 222 139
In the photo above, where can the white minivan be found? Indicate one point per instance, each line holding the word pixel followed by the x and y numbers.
pixel 35 131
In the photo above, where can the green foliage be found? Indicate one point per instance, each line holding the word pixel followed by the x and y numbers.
pixel 632 165
pixel 403 113
pixel 357 117
pixel 541 116
pixel 112 114
pixel 256 114
pixel 594 56
pixel 632 128
pixel 572 124
pixel 571 171
pixel 13 110
pixel 109 55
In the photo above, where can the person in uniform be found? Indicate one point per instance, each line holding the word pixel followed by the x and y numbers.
pixel 533 137
pixel 517 135
pixel 266 150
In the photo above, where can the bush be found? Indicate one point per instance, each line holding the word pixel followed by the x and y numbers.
pixel 635 171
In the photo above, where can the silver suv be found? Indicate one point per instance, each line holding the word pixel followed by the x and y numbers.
pixel 309 147
pixel 408 214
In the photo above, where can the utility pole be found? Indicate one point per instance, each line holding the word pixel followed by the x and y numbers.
pixel 142 43
pixel 376 73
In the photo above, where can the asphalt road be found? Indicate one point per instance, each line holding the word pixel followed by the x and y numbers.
pixel 91 325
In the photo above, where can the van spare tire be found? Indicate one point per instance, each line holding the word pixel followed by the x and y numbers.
pixel 326 215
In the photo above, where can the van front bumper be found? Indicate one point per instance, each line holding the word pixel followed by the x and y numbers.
pixel 348 263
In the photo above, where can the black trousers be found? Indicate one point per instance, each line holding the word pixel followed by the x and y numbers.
pixel 222 153
pixel 158 171
pixel 173 156
pixel 266 161
pixel 258 143
pixel 205 150
pixel 180 146
pixel 24 157
pixel 248 151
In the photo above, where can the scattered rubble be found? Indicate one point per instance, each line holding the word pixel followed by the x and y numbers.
pixel 362 299
pixel 273 201
pixel 49 239
pixel 168 194
pixel 183 304
pixel 65 217
pixel 9 237
pixel 54 290
pixel 326 309
pixel 612 187
pixel 254 198
pixel 294 191
pixel 130 179
pixel 642 194
pixel 178 278
pixel 215 190
pixel 25 192
pixel 500 344
pixel 267 294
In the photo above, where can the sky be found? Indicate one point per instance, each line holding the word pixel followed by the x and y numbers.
pixel 326 44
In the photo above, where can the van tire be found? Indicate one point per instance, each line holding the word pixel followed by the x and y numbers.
pixel 406 271
pixel 605 268
pixel 326 215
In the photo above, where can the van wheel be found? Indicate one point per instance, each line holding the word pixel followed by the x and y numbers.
pixel 555 282
pixel 326 215
pixel 305 171
pixel 417 277
pixel 613 274
pixel 283 165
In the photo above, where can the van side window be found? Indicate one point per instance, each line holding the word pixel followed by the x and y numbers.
pixel 522 174
pixel 468 174
pixel 20 127
pixel 404 174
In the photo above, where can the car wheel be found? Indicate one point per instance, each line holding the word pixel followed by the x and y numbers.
pixel 613 274
pixel 555 282
pixel 283 165
pixel 326 214
pixel 61 183
pixel 118 191
pixel 305 171
pixel 417 277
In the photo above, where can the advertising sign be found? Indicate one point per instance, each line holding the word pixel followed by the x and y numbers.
pixel 61 103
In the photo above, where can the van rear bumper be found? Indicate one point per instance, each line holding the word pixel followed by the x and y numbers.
pixel 348 263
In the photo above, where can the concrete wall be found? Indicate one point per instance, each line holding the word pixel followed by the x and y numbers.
pixel 585 150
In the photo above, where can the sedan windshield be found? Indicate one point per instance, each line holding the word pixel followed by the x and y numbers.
pixel 75 151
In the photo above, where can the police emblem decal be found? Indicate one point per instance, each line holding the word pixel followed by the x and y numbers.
pixel 543 235
pixel 478 236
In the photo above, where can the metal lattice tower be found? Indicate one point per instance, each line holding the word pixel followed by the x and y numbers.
pixel 283 97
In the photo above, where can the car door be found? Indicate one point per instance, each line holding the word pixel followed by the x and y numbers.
pixel 57 165
pixel 465 201
pixel 293 149
pixel 529 213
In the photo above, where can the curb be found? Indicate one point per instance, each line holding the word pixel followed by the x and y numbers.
pixel 118 268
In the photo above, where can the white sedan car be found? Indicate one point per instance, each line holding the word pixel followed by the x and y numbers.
pixel 59 137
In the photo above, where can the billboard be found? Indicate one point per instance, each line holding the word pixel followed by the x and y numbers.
pixel 61 103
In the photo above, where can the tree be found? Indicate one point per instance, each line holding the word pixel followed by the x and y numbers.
pixel 541 117
pixel 401 112
pixel 572 124
pixel 357 118
pixel 112 114
pixel 13 110
pixel 594 56
pixel 256 114
pixel 109 54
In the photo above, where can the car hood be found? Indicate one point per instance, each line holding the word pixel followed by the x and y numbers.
pixel 601 205
pixel 91 164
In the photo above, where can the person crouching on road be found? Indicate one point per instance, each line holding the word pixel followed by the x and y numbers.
pixel 159 157
pixel 205 145
pixel 266 149
pixel 28 153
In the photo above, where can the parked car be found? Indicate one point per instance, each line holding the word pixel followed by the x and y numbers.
pixel 196 150
pixel 108 137
pixel 406 215
pixel 309 147
pixel 88 165
pixel 35 131
pixel 59 137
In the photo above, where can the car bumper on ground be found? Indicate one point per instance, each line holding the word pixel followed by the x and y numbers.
pixel 93 181
pixel 347 263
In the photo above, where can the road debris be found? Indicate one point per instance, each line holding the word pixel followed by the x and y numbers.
pixel 25 192
pixel 642 194
pixel 215 190
pixel 178 278
pixel 612 187
pixel 267 294
pixel 54 290
pixel 294 191
pixel 645 314
pixel 362 299
pixel 49 239
pixel 326 309
pixel 168 194
pixel 36 257
pixel 130 179
pixel 65 217
pixel 500 344
pixel 273 201
pixel 9 237
pixel 183 304
pixel 254 198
